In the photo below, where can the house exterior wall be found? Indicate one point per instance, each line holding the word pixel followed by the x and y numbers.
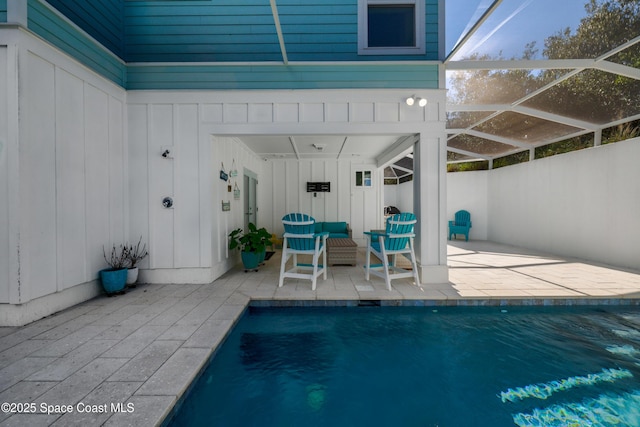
pixel 68 37
pixel 169 45
pixel 313 30
pixel 360 207
pixel 189 242
pixel 279 76
pixel 65 158
pixel 103 20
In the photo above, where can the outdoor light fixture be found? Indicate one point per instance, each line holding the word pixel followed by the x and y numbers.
pixel 412 100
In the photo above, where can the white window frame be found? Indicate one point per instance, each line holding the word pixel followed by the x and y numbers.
pixel 363 29
pixel 366 185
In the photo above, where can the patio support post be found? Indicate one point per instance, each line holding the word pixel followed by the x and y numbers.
pixel 430 197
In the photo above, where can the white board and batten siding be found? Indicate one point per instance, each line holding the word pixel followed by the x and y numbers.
pixel 189 242
pixel 65 150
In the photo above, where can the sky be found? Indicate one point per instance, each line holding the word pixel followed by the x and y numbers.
pixel 511 26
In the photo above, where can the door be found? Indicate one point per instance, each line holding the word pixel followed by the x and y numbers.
pixel 250 198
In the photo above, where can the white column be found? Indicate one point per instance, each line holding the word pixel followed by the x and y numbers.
pixel 430 197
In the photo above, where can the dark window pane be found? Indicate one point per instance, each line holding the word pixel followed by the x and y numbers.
pixel 392 26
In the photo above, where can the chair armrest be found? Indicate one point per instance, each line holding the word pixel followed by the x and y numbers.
pixel 349 231
pixel 375 234
pixel 452 223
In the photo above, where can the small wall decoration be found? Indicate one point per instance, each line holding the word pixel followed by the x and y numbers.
pixel 236 192
pixel 318 187
pixel 223 175
pixel 226 206
pixel 233 172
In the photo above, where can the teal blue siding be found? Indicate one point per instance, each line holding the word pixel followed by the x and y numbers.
pixel 103 20
pixel 58 32
pixel 3 10
pixel 283 77
pixel 224 31
pixel 328 31
pixel 186 31
pixel 244 30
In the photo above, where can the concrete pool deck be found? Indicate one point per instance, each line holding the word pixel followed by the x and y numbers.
pixel 126 360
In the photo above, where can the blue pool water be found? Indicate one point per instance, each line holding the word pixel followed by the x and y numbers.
pixel 422 366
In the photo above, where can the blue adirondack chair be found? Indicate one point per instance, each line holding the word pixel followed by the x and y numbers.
pixel 300 239
pixel 397 239
pixel 460 225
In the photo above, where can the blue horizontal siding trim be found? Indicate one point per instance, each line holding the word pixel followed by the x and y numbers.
pixel 103 20
pixel 352 76
pixel 69 39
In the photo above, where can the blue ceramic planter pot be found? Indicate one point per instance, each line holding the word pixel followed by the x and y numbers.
pixel 250 260
pixel 113 280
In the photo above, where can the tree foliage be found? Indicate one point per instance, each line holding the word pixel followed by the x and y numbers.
pixel 591 95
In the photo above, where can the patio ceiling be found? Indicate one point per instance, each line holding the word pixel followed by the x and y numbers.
pixel 301 147
pixel 521 75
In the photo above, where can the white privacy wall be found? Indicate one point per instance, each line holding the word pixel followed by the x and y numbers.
pixel 67 174
pixel 469 191
pixel 583 204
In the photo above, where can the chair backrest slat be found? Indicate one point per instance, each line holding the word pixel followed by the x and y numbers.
pixel 399 230
pixel 462 217
pixel 299 229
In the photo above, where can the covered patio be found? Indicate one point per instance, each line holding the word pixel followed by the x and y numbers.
pixel 144 348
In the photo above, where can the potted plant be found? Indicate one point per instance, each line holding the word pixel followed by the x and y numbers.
pixel 114 278
pixel 135 253
pixel 252 245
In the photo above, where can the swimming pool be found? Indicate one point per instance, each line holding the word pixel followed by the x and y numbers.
pixel 404 366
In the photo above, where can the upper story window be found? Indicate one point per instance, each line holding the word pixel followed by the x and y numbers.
pixel 391 27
